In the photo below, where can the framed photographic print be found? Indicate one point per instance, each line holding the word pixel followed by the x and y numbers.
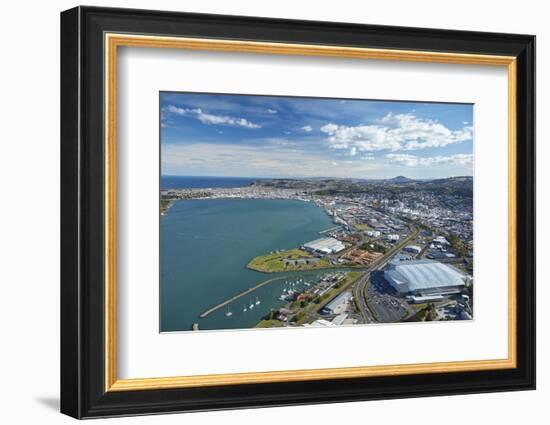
pixel 261 212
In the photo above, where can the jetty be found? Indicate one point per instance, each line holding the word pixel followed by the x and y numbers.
pixel 241 294
pixel 322 232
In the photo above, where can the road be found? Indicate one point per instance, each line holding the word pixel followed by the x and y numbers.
pixel 360 299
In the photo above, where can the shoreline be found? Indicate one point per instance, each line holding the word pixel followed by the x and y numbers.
pixel 259 281
pixel 352 218
pixel 171 202
pixel 343 266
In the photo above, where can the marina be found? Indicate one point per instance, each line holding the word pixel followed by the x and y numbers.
pixel 236 297
pixel 203 272
pixel 215 278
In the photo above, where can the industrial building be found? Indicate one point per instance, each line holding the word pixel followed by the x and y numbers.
pixel 425 278
pixel 324 246
pixel 339 304
pixel 319 323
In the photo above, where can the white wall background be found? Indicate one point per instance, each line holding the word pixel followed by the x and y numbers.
pixel 29 212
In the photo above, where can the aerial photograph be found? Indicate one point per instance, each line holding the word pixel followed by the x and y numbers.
pixel 296 212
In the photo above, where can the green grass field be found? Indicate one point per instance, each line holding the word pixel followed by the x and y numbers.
pixel 269 324
pixel 362 227
pixel 271 263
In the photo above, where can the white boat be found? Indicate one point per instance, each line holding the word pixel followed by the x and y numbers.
pixel 251 306
pixel 257 301
pixel 244 309
pixel 229 313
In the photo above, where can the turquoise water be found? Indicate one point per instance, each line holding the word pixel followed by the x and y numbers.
pixel 205 246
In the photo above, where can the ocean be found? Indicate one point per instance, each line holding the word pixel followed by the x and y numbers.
pixel 192 182
pixel 205 246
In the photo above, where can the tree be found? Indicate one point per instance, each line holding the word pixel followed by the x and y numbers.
pixel 430 313
pixel 458 245
pixel 299 316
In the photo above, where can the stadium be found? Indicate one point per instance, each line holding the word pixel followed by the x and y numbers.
pixel 425 278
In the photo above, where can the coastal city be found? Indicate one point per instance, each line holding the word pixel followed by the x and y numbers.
pixel 398 250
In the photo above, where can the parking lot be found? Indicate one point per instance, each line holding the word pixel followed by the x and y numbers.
pixel 386 307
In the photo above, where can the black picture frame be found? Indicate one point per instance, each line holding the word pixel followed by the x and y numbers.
pixel 83 392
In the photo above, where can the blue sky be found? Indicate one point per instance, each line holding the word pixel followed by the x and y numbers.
pixel 269 136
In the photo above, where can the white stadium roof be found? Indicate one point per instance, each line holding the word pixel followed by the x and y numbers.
pixel 422 275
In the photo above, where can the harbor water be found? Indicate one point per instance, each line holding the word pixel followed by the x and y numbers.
pixel 205 246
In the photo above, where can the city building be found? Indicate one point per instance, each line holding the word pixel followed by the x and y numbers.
pixel 319 323
pixel 425 278
pixel 324 246
pixel 413 248
pixel 441 240
pixel 340 319
pixel 440 255
pixel 339 304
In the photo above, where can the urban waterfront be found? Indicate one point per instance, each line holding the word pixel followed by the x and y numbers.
pixel 303 252
pixel 206 245
pixel 293 212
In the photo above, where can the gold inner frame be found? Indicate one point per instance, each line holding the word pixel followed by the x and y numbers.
pixel 113 41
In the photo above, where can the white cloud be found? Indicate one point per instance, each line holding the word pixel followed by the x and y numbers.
pixel 176 110
pixel 413 160
pixel 395 132
pixel 353 151
pixel 267 157
pixel 307 128
pixel 207 118
pixel 271 111
pixel 329 128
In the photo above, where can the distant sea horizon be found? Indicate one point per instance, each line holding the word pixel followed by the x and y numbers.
pixel 211 182
pixel 205 182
